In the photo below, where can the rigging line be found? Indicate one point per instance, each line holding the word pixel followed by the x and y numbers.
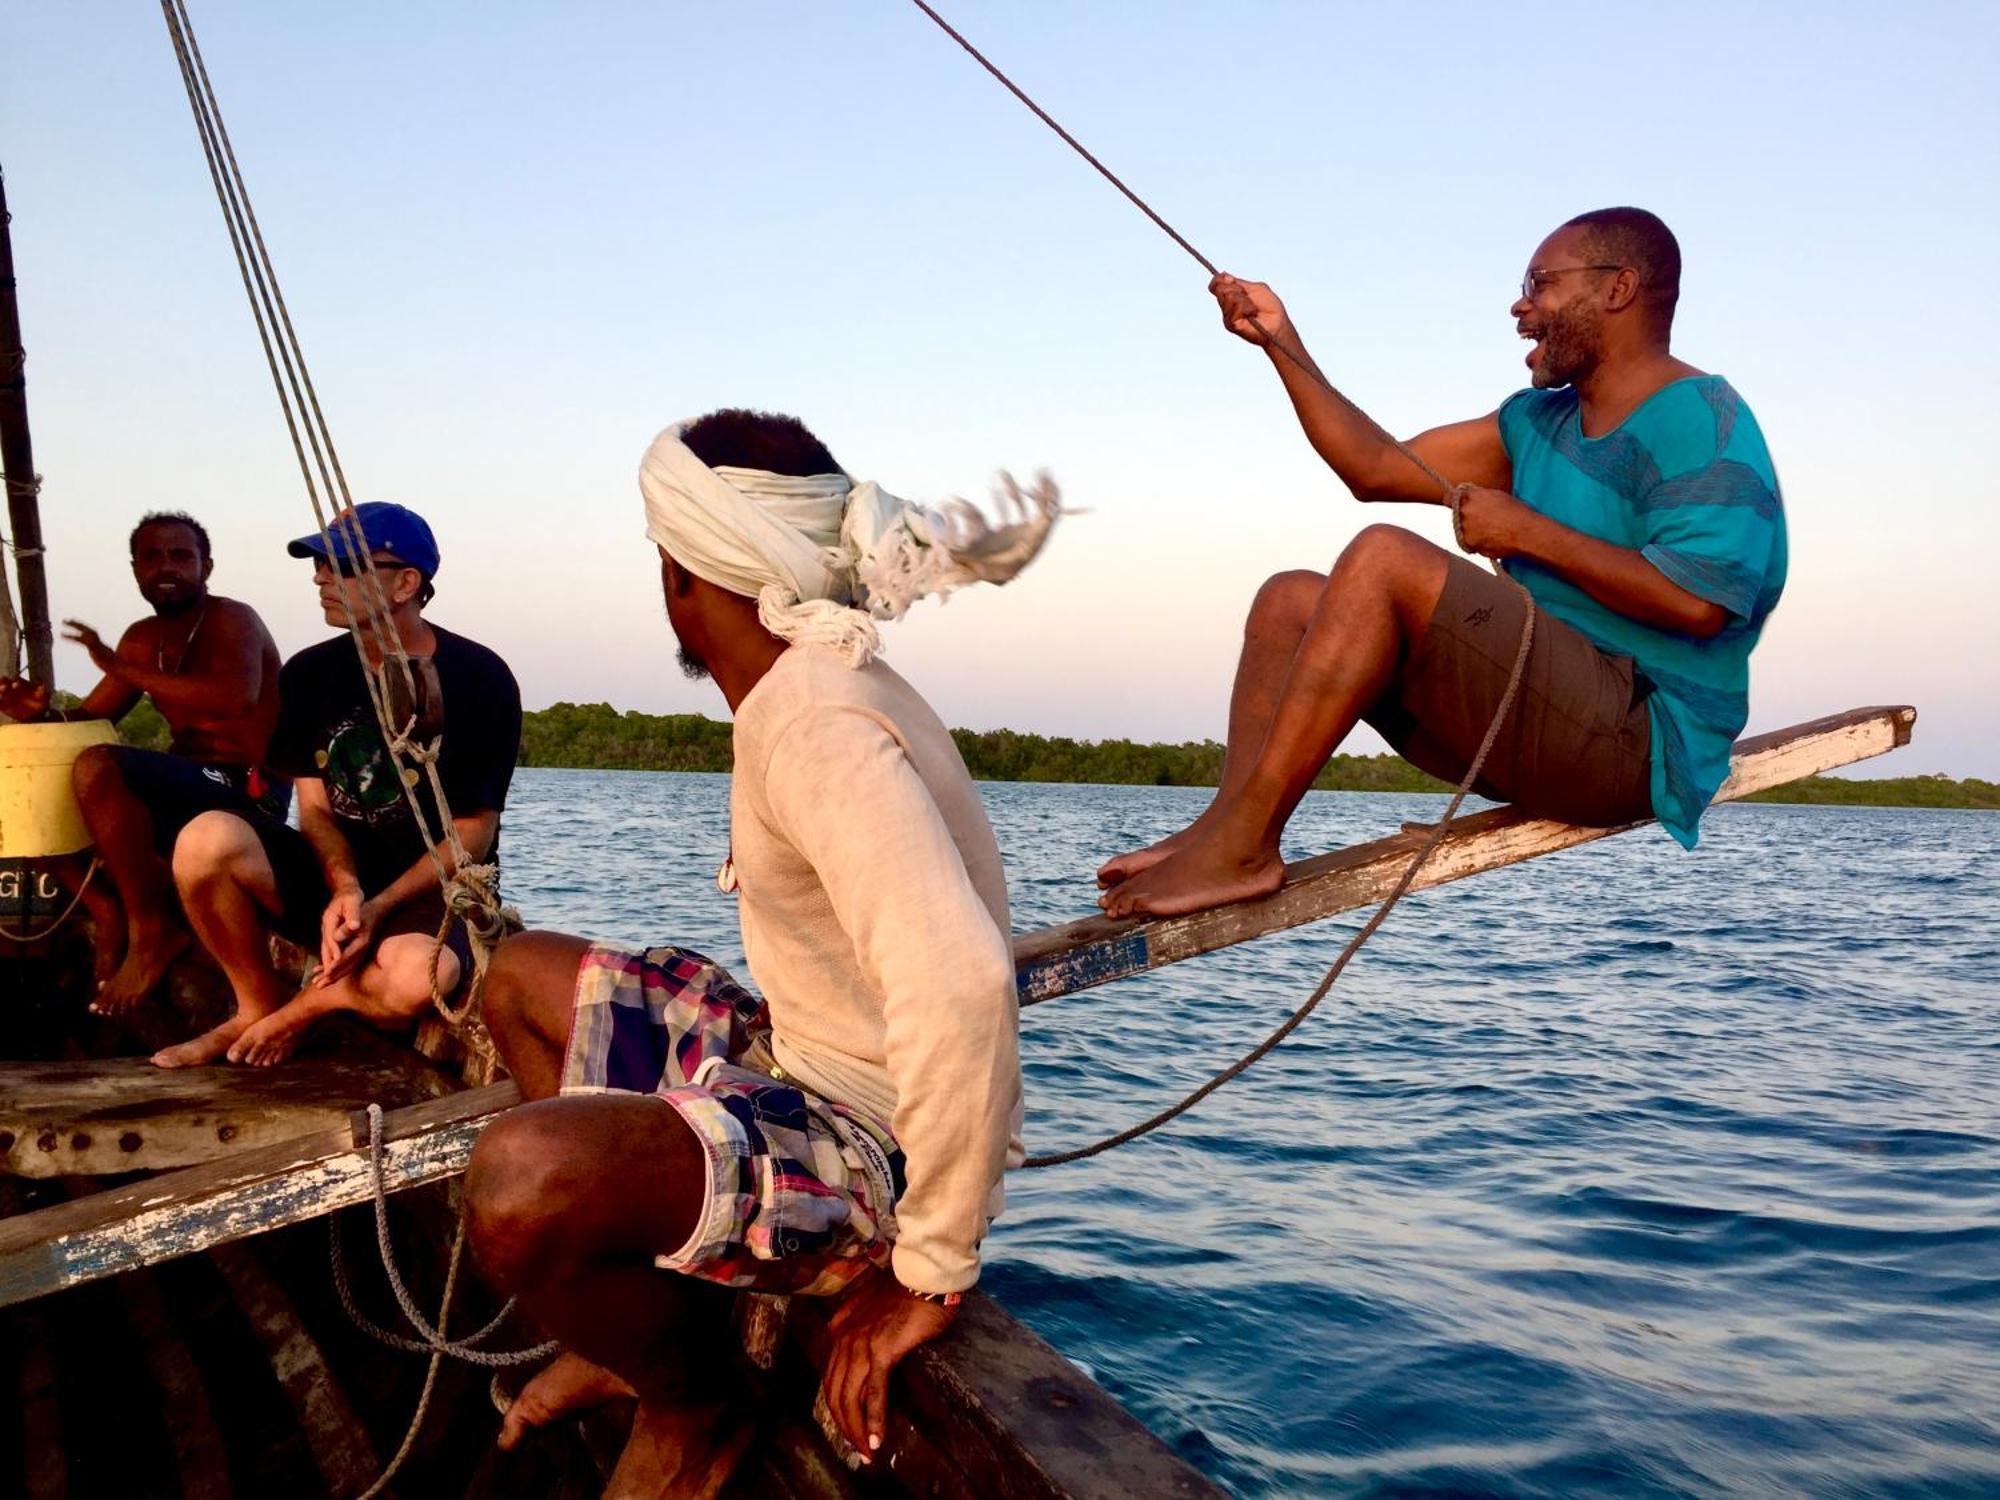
pixel 1450 494
pixel 1297 356
pixel 1381 914
pixel 266 301
pixel 240 221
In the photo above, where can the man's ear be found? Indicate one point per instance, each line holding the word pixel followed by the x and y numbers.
pixel 1624 289
pixel 674 579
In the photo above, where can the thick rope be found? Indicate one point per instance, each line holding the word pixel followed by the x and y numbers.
pixel 429 1339
pixel 1450 494
pixel 433 1341
pixel 298 399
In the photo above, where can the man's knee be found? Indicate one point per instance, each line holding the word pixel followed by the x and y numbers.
pixel 561 1181
pixel 1287 601
pixel 213 846
pixel 1400 565
pixel 513 1198
pixel 96 772
pixel 399 974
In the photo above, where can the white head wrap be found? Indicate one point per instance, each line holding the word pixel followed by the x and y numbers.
pixel 823 556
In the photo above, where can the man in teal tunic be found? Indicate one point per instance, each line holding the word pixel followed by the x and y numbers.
pixel 1629 493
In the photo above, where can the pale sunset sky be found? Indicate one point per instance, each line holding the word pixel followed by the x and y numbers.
pixel 518 239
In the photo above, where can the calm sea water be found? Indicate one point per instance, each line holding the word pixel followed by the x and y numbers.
pixel 1626 1172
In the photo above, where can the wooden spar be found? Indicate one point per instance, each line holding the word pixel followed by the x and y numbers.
pixel 995 1402
pixel 178 1213
pixel 1062 960
pixel 69 1119
pixel 17 458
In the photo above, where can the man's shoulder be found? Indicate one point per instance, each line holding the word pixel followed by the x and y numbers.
pixel 238 613
pixel 1702 420
pixel 462 653
pixel 322 656
pixel 811 690
pixel 1531 413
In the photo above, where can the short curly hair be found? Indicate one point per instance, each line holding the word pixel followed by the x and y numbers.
pixel 738 438
pixel 170 518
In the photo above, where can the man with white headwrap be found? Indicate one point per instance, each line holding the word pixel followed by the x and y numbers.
pixel 846 1133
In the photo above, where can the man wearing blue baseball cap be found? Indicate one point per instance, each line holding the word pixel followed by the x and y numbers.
pixel 355 881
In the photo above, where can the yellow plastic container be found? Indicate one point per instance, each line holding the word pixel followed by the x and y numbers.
pixel 38 811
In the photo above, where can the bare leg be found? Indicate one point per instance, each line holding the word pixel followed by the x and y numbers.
pixel 122 829
pixel 392 987
pixel 230 894
pixel 1377 605
pixel 1279 615
pixel 568 1202
pixel 529 997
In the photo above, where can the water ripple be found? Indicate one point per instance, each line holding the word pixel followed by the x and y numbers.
pixel 1623 1172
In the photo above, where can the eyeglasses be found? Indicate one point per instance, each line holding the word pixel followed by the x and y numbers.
pixel 349 566
pixel 1534 281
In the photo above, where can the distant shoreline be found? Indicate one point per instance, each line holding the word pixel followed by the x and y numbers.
pixel 597 737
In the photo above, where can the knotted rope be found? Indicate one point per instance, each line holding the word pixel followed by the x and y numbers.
pixel 1449 494
pixel 470 891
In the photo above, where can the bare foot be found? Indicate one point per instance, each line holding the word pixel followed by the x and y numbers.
pixel 1194 878
pixel 147 955
pixel 206 1048
pixel 568 1383
pixel 678 1453
pixel 1116 871
pixel 277 1036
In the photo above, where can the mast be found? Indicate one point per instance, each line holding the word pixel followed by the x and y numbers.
pixel 17 458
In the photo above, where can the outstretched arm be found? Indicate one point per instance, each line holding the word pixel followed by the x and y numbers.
pixel 225 689
pixel 112 698
pixel 1353 446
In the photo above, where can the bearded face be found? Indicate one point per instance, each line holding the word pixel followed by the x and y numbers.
pixel 1567 341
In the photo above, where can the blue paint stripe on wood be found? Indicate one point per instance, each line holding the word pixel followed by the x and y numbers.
pixel 1079 969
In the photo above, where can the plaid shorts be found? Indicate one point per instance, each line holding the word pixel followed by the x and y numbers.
pixel 801 1191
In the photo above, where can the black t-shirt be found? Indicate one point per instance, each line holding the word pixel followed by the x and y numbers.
pixel 327 730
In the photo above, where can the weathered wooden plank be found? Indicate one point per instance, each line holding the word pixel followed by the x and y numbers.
pixel 200 1457
pixel 177 1213
pixel 86 1118
pixel 1012 1416
pixel 333 1430
pixel 1061 960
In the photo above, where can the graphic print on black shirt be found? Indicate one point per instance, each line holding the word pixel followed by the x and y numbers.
pixel 327 731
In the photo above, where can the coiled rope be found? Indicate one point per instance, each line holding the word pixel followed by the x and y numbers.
pixel 431 1341
pixel 1449 494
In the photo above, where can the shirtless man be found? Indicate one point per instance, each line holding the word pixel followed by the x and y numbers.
pixel 354 881
pixel 1630 494
pixel 211 669
pixel 846 1134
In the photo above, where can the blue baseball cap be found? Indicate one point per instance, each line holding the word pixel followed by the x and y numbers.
pixel 386 527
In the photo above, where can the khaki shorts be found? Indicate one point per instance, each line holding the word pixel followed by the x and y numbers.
pixel 1577 744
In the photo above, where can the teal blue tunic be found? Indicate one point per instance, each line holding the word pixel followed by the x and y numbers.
pixel 1687 481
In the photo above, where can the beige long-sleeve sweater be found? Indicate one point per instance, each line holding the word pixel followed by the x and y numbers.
pixel 874 915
